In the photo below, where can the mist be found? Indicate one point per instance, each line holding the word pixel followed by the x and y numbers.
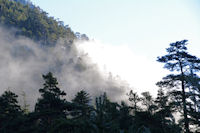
pixel 139 71
pixel 23 61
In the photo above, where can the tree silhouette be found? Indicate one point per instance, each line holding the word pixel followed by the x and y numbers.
pixel 179 61
pixel 82 101
pixel 50 106
pixel 10 113
pixel 147 100
pixel 164 111
pixel 134 99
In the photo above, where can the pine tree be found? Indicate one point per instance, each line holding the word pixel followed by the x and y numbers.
pixel 164 111
pixel 125 118
pixel 179 61
pixel 193 83
pixel 148 102
pixel 134 99
pixel 81 102
pixel 51 105
pixel 10 113
pixel 107 115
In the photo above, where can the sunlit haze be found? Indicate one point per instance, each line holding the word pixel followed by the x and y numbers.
pixel 127 36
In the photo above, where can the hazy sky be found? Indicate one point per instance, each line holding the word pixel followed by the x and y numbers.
pixel 140 30
pixel 141 24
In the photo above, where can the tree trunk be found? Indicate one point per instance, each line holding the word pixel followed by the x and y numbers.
pixel 186 122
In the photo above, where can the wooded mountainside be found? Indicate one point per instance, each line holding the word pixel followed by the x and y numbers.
pixel 176 108
pixel 33 22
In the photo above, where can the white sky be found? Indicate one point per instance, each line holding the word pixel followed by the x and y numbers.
pixel 130 33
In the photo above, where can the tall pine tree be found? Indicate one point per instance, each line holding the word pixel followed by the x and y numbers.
pixel 179 61
pixel 51 105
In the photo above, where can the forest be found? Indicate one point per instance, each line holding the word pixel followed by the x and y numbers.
pixel 34 23
pixel 179 95
pixel 175 109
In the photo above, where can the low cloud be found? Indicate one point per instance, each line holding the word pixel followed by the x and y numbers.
pixel 22 63
pixel 138 70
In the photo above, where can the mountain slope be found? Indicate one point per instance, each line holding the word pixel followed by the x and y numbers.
pixel 33 22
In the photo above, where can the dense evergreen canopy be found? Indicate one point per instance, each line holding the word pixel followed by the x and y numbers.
pixel 53 113
pixel 33 22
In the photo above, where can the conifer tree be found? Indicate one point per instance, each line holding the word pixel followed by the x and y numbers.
pixel 10 113
pixel 179 61
pixel 51 105
pixel 134 99
pixel 82 101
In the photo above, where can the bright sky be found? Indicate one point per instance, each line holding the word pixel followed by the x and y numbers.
pixel 141 24
pixel 142 28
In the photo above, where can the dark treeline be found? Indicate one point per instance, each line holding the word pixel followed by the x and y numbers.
pixel 176 108
pixel 53 113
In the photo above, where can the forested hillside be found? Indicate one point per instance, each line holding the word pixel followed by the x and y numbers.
pixel 175 109
pixel 33 22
